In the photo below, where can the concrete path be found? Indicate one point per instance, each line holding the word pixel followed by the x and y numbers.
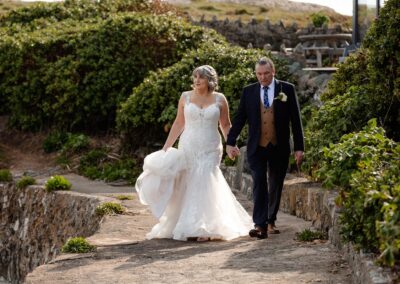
pixel 124 255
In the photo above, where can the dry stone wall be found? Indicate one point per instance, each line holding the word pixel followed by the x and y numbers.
pixel 34 224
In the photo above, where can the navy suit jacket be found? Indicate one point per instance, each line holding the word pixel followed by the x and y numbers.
pixel 286 114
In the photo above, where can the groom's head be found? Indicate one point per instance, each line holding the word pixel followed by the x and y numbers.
pixel 265 71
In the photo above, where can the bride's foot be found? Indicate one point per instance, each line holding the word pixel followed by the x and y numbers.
pixel 203 239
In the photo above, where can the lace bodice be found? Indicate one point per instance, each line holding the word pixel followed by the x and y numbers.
pixel 200 139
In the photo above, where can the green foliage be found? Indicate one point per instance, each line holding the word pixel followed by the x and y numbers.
pixel 77 245
pixel 54 141
pixel 57 183
pixel 97 164
pixel 73 74
pixel 382 42
pixel 365 165
pixel 347 107
pixel 153 103
pixel 41 14
pixel 109 208
pixel 5 175
pixel 319 20
pixel 25 181
pixel 308 236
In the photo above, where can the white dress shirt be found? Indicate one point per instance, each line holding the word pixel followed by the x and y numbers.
pixel 271 92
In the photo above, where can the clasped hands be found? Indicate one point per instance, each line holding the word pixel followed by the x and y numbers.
pixel 232 151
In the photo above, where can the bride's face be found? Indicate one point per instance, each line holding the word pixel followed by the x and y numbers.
pixel 199 82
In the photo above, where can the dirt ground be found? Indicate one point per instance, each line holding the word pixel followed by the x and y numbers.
pixel 124 255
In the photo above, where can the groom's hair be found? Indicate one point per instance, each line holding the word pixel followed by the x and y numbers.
pixel 265 61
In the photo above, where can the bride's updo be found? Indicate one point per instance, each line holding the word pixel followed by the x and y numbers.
pixel 206 71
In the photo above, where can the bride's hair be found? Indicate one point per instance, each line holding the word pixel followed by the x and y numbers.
pixel 206 71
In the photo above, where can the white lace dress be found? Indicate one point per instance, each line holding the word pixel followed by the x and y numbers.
pixel 202 203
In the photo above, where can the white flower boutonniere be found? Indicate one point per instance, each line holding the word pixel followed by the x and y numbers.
pixel 282 97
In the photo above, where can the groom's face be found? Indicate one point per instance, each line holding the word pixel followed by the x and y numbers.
pixel 265 73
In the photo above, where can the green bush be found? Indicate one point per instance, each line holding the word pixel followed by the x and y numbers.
pixel 319 20
pixel 97 164
pixel 54 141
pixel 152 106
pixel 366 166
pixel 57 183
pixel 382 41
pixel 5 175
pixel 72 74
pixel 109 208
pixel 346 108
pixel 40 14
pixel 25 181
pixel 77 245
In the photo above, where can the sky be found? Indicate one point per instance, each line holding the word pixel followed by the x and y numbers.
pixel 344 7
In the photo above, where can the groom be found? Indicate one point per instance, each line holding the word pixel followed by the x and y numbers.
pixel 270 108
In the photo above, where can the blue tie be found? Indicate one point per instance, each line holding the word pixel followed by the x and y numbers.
pixel 266 102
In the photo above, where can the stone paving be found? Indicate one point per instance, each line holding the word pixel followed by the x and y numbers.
pixel 123 254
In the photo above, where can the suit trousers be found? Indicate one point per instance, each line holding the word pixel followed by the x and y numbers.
pixel 268 168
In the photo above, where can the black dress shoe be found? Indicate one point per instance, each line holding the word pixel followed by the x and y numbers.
pixel 258 232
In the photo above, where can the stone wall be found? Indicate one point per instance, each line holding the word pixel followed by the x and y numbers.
pixel 308 200
pixel 34 224
pixel 258 34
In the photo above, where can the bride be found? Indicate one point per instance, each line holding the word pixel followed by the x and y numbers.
pixel 201 205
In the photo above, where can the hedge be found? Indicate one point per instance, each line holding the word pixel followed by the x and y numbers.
pixel 73 74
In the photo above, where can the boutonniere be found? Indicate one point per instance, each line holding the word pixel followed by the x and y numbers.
pixel 281 96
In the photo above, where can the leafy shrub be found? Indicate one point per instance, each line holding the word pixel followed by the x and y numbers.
pixel 73 74
pixel 25 181
pixel 365 165
pixel 97 164
pixel 77 245
pixel 308 236
pixel 382 41
pixel 319 19
pixel 75 143
pixel 57 183
pixel 109 208
pixel 5 175
pixel 47 13
pixel 54 141
pixel 153 103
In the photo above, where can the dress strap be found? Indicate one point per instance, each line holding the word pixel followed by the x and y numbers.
pixel 218 99
pixel 186 95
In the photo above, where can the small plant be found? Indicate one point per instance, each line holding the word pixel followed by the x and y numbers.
pixel 319 20
pixel 5 175
pixel 57 183
pixel 78 245
pixel 109 208
pixel 124 197
pixel 75 143
pixel 25 181
pixel 308 236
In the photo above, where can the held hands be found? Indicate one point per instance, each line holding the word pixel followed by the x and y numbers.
pixel 232 151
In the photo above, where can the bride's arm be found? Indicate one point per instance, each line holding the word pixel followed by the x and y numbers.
pixel 177 126
pixel 224 120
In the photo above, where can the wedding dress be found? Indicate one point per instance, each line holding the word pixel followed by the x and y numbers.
pixel 199 202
